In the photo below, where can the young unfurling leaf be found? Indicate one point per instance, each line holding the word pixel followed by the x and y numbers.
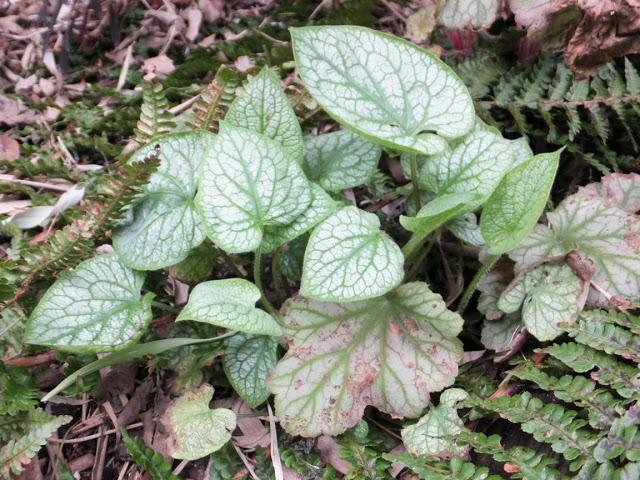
pixel 463 178
pixel 389 352
pixel 384 88
pixel 515 206
pixel 349 258
pixel 435 433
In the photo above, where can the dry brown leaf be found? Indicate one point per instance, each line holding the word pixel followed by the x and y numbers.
pixel 13 112
pixel 421 23
pixel 161 65
pixel 194 20
pixel 590 32
pixel 330 453
pixel 213 10
pixel 9 148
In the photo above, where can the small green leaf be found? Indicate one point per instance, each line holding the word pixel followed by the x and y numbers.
pixel 435 433
pixel 93 308
pixel 339 160
pixel 384 88
pixel 466 228
pixel 475 164
pixel 229 303
pixel 197 266
pixel 515 206
pixel 264 108
pixel 438 211
pixel 247 361
pixel 349 258
pixel 196 430
pixel 552 296
pixel 247 183
pixel 322 205
pixel 462 178
pixel 164 225
pixel 389 352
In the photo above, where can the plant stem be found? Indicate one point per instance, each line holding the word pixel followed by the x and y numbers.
pixel 423 253
pixel 230 263
pixel 414 243
pixel 257 278
pixel 164 307
pixel 471 288
pixel 275 273
pixel 413 163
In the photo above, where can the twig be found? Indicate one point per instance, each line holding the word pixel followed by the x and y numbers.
pixel 5 178
pixel 180 467
pixel 184 105
pixel 31 361
pixel 275 452
pixel 246 462
pixel 133 426
pixel 125 68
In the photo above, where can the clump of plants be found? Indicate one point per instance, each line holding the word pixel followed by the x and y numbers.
pixel 323 304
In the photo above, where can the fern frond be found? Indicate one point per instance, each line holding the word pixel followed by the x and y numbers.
pixel 608 471
pixel 548 423
pixel 11 327
pixel 434 469
pixel 154 116
pixel 623 378
pixel 542 99
pixel 612 339
pixel 148 459
pixel 17 392
pixel 529 465
pixel 225 464
pixel 623 439
pixel 75 242
pixel 630 322
pixel 22 449
pixel 600 403
pixel 215 99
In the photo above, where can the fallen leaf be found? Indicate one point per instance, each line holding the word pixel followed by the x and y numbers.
pixel 590 32
pixel 13 206
pixel 194 20
pixel 161 65
pixel 243 63
pixel 330 454
pixel 13 112
pixel 421 23
pixel 9 148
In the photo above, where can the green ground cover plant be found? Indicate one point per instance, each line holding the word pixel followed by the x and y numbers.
pixel 300 297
